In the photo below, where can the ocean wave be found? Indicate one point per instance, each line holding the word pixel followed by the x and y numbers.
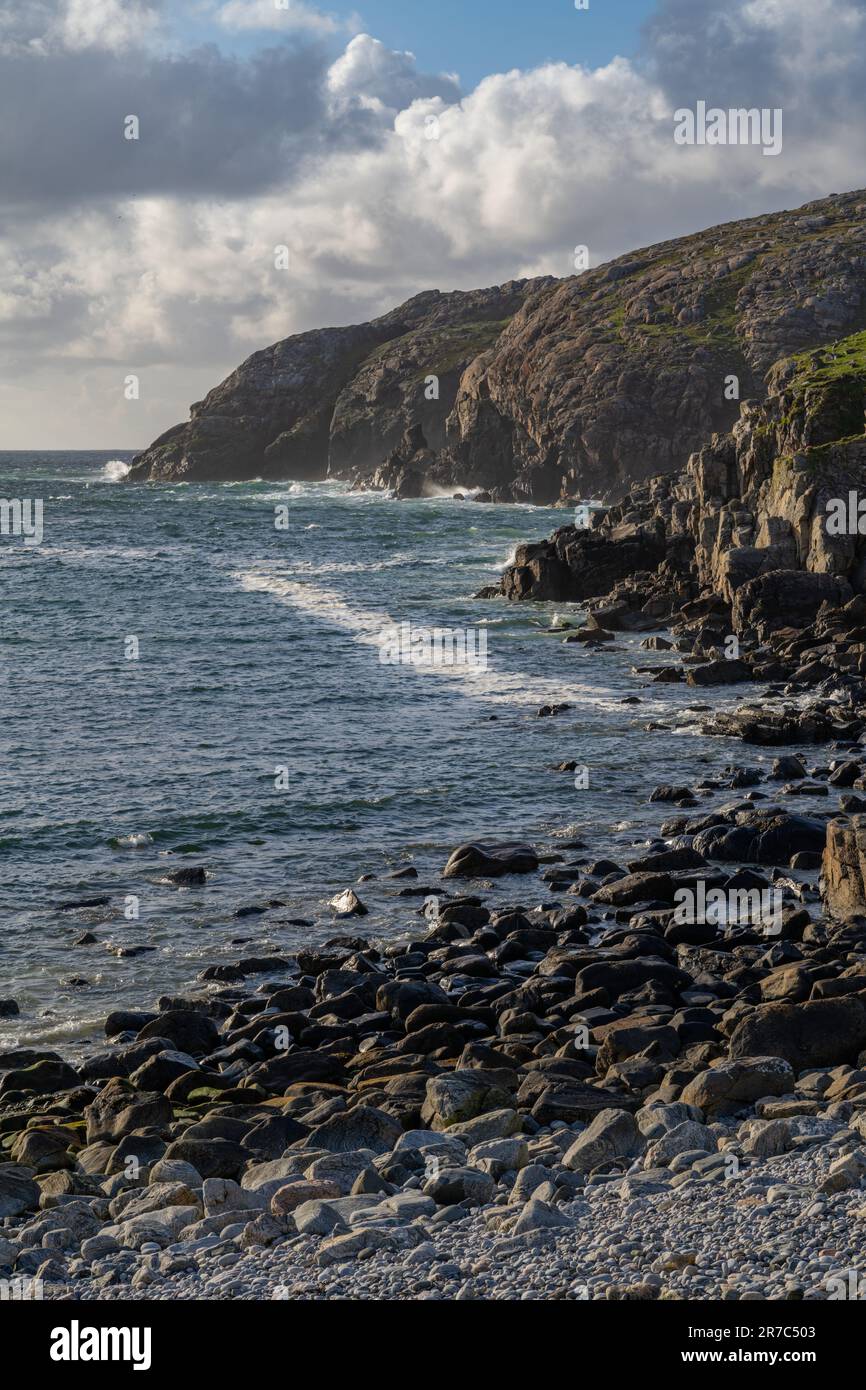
pixel 367 627
pixel 115 470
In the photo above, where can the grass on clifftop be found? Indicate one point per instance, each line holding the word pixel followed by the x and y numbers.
pixel 829 388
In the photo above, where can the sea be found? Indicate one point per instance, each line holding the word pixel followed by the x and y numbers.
pixel 205 676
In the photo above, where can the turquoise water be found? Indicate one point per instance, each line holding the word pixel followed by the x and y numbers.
pixel 258 651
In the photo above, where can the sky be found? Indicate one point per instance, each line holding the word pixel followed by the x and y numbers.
pixel 389 146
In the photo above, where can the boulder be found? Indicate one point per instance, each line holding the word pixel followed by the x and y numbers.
pixel 119 1109
pixel 786 598
pixel 490 861
pixel 612 1134
pixel 458 1096
pixel 636 888
pixel 733 1084
pixel 360 1128
pixel 18 1191
pixel 819 1033
pixel 42 1077
pixel 189 1030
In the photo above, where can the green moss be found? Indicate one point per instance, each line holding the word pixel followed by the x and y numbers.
pixel 828 392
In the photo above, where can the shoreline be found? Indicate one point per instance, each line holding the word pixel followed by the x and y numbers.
pixel 452 1116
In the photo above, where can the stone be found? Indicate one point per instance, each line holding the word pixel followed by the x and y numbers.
pixel 43 1150
pixel 339 1169
pixel 490 861
pixel 362 1127
pixel 348 904
pixel 18 1191
pixel 768 1138
pixel 732 1084
pixel 688 1135
pixel 119 1108
pixel 498 1156
pixel 189 1030
pixel 845 1173
pixel 843 866
pixel 292 1195
pixel 494 1124
pixel 42 1077
pixel 212 1158
pixel 540 1216
pixel 821 1032
pixel 458 1096
pixel 164 1227
pixel 613 1134
pixel 453 1185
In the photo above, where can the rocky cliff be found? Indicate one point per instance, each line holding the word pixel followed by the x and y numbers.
pixel 547 389
pixel 760 520
pixel 336 401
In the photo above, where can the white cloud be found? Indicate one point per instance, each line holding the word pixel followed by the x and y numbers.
pixel 282 15
pixel 526 166
pixel 111 24
pixel 375 76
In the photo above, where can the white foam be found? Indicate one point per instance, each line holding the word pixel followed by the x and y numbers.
pixel 115 470
pixel 367 627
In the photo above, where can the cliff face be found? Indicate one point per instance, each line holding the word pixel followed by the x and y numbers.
pixel 335 401
pixel 760 520
pixel 546 389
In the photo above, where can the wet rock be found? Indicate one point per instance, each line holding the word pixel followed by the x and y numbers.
pixel 126 1021
pixel 189 1030
pixel 42 1078
pixel 187 877
pixel 719 673
pixel 348 904
pixel 490 861
pixel 636 888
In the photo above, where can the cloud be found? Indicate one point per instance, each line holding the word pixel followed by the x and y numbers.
pixel 116 25
pixel 370 74
pixel 158 257
pixel 281 15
